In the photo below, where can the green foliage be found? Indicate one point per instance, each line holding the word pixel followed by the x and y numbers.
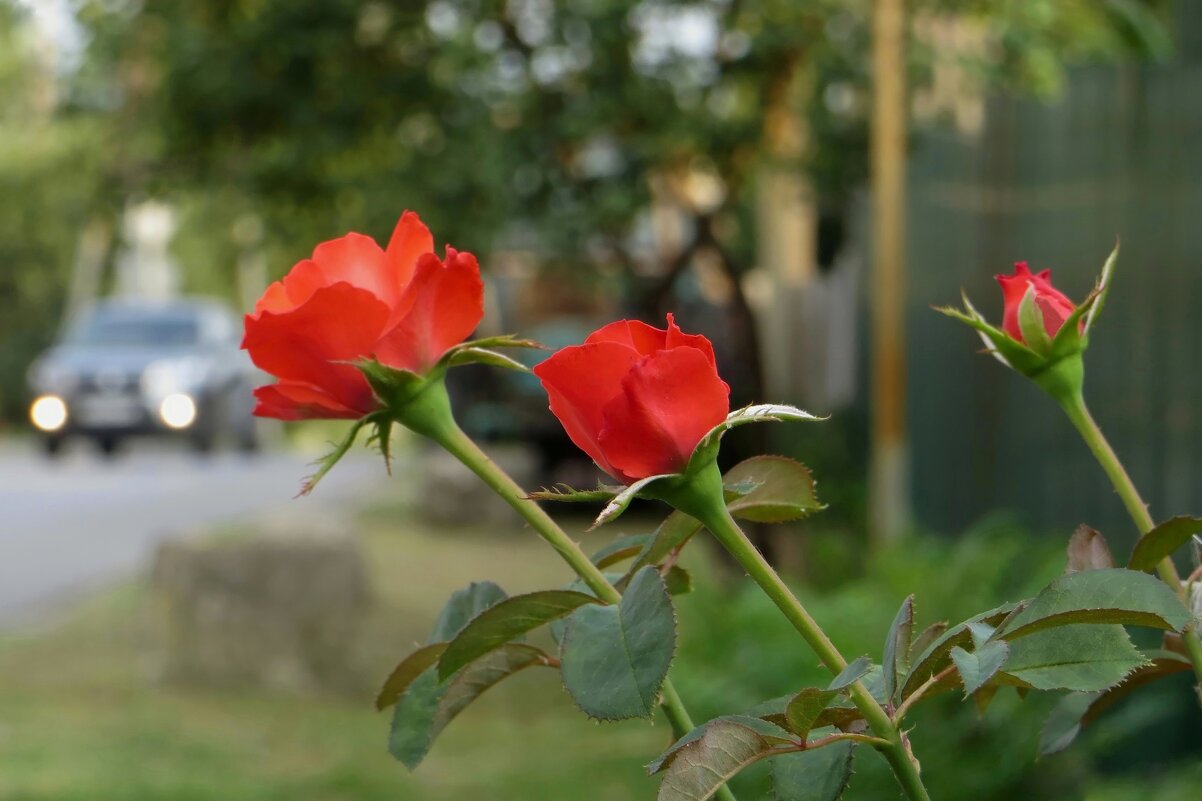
pixel 1079 657
pixel 615 658
pixel 425 704
pixel 706 758
pixel 981 665
pixel 506 621
pixel 897 647
pixel 1161 541
pixel 1100 596
pixel 806 708
pixel 820 774
pixel 782 490
pixel 855 670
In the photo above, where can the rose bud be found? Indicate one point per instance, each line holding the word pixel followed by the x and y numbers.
pixel 352 301
pixel 1054 307
pixel 635 398
pixel 1043 334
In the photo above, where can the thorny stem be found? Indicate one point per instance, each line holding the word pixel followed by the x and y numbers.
pixel 463 448
pixel 702 498
pixel 1078 413
pixel 921 691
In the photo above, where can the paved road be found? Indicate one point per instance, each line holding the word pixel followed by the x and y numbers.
pixel 69 526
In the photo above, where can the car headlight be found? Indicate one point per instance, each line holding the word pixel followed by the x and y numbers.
pixel 171 376
pixel 48 413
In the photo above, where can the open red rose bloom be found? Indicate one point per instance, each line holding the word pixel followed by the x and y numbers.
pixel 402 306
pixel 635 398
pixel 1052 303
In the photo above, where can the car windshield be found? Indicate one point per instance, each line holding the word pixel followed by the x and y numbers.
pixel 161 329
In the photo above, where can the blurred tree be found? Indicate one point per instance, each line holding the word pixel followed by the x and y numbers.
pixel 616 140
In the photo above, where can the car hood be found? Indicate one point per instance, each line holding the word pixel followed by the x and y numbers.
pixel 82 360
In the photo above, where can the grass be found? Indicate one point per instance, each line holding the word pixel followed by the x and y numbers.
pixel 82 717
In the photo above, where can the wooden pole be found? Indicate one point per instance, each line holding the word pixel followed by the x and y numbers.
pixel 889 485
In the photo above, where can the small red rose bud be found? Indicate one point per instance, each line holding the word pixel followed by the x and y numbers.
pixel 1051 302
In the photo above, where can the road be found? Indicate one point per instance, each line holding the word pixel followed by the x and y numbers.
pixel 74 524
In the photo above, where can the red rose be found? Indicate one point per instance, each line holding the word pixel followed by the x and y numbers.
pixel 635 398
pixel 1052 303
pixel 402 306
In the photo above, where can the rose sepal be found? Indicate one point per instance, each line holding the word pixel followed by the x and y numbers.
pixel 702 463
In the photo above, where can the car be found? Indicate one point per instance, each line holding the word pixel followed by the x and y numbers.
pixel 131 368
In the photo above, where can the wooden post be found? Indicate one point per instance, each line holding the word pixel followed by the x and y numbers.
pixel 889 485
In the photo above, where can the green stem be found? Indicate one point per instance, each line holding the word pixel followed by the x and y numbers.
pixel 702 498
pixel 1074 406
pixel 444 431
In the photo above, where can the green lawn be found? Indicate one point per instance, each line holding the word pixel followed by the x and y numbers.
pixel 82 718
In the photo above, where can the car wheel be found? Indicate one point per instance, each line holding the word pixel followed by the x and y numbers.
pixel 52 446
pixel 203 441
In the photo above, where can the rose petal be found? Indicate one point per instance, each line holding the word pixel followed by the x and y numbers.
pixel 647 339
pixel 668 402
pixel 357 260
pixel 580 380
pixel 445 302
pixel 410 240
pixel 290 401
pixel 337 323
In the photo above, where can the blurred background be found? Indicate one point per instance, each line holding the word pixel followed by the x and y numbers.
pixel 800 180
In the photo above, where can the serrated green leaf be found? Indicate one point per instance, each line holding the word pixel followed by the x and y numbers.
pixel 981 665
pixel 998 343
pixel 622 549
pixel 980 631
pixel 502 341
pixel 1087 550
pixel 784 490
pixel 935 657
pixel 326 463
pixel 428 705
pixel 707 449
pixel 672 534
pixel 505 621
pixel 924 640
pixel 620 502
pixel 470 683
pixel 418 697
pixel 1082 657
pixel 1064 722
pixel 763 727
pixel 818 774
pixel 1162 541
pixel 486 357
pixel 462 606
pixel 805 708
pixel 562 493
pixel 1099 596
pixel 1102 288
pixel 854 671
pixel 411 732
pixel 405 673
pixel 698 768
pixel 614 658
pixel 897 646
pixel 1077 710
pixel 678 580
